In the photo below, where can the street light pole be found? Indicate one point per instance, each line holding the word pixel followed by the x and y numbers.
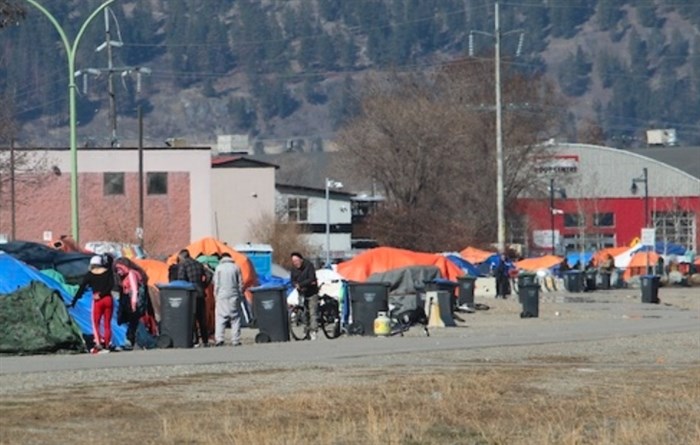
pixel 328 222
pixel 71 50
pixel 645 180
pixel 551 215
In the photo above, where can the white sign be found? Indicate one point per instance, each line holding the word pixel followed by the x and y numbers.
pixel 48 235
pixel 543 238
pixel 649 237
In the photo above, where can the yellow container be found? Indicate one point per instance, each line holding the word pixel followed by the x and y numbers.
pixel 382 324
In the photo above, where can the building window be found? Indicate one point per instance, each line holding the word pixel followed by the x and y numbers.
pixel 675 227
pixel 157 183
pixel 297 209
pixel 113 184
pixel 588 242
pixel 573 220
pixel 604 220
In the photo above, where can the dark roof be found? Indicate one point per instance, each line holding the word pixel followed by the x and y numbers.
pixel 314 190
pixel 686 159
pixel 239 162
pixel 109 148
pixel 312 169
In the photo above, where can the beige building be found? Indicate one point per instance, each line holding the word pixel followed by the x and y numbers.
pixel 242 191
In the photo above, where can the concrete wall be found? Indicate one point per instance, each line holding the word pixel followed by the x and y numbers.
pixel 240 197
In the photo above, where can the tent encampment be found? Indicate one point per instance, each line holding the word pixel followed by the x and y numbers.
pixel 465 265
pixel 382 259
pixel 34 320
pixel 157 271
pixel 32 303
pixel 15 275
pixel 212 246
pixel 73 266
pixel 476 256
pixel 539 263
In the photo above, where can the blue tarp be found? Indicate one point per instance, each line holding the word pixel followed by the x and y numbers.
pixel 465 265
pixel 669 249
pixel 576 257
pixel 73 266
pixel 14 275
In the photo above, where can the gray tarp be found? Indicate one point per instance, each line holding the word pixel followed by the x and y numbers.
pixel 406 280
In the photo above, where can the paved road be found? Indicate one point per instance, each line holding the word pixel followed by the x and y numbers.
pixel 652 319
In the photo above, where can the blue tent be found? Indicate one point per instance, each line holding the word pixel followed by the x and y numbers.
pixel 14 275
pixel 577 257
pixel 465 265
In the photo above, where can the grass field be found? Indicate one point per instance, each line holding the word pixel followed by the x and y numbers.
pixel 548 401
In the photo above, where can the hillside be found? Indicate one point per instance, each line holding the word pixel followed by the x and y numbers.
pixel 280 70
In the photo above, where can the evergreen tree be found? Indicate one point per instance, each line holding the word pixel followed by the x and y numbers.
pixel 330 10
pixel 242 114
pixel 537 29
pixel 646 13
pixel 609 68
pixel 609 13
pixel 567 15
pixel 678 50
pixel 637 49
pixel 574 74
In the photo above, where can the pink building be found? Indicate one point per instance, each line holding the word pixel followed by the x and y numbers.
pixel 177 189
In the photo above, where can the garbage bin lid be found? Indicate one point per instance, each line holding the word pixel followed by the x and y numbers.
pixel 180 284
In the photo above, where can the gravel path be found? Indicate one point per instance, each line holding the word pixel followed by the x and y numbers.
pixel 599 330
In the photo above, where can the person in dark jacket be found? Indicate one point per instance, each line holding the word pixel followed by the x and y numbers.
pixel 303 278
pixel 100 280
pixel 193 271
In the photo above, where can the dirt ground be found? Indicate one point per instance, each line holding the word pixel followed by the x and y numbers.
pixel 641 389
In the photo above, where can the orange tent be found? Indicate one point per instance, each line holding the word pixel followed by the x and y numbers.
pixel 638 264
pixel 600 256
pixel 476 256
pixel 539 263
pixel 382 259
pixel 157 271
pixel 211 246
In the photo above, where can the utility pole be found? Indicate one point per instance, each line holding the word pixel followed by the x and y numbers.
pixel 140 229
pixel 111 70
pixel 500 199
pixel 110 81
pixel 500 193
pixel 13 223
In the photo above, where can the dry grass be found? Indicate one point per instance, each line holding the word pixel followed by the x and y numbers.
pixel 474 405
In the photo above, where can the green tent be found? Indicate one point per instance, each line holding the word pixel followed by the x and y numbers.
pixel 34 320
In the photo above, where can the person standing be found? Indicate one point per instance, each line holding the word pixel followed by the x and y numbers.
pixel 193 271
pixel 100 280
pixel 501 273
pixel 303 278
pixel 133 289
pixel 228 292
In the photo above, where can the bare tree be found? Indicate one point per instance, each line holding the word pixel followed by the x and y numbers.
pixel 10 13
pixel 284 237
pixel 429 142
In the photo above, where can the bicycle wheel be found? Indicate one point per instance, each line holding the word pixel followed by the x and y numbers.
pixel 297 327
pixel 330 320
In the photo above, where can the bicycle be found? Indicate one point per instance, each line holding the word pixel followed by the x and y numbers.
pixel 328 318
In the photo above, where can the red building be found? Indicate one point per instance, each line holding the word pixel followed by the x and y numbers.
pixel 603 197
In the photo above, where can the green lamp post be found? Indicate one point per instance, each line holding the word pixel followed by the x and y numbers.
pixel 71 50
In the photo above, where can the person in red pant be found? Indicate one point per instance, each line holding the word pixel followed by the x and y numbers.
pixel 100 280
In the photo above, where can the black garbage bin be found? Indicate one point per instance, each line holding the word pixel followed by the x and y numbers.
pixel 177 305
pixel 445 286
pixel 573 280
pixel 465 291
pixel 591 276
pixel 525 279
pixel 271 313
pixel 650 288
pixel 604 280
pixel 366 300
pixel 529 295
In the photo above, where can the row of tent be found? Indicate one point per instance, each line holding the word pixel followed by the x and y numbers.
pixel 26 265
